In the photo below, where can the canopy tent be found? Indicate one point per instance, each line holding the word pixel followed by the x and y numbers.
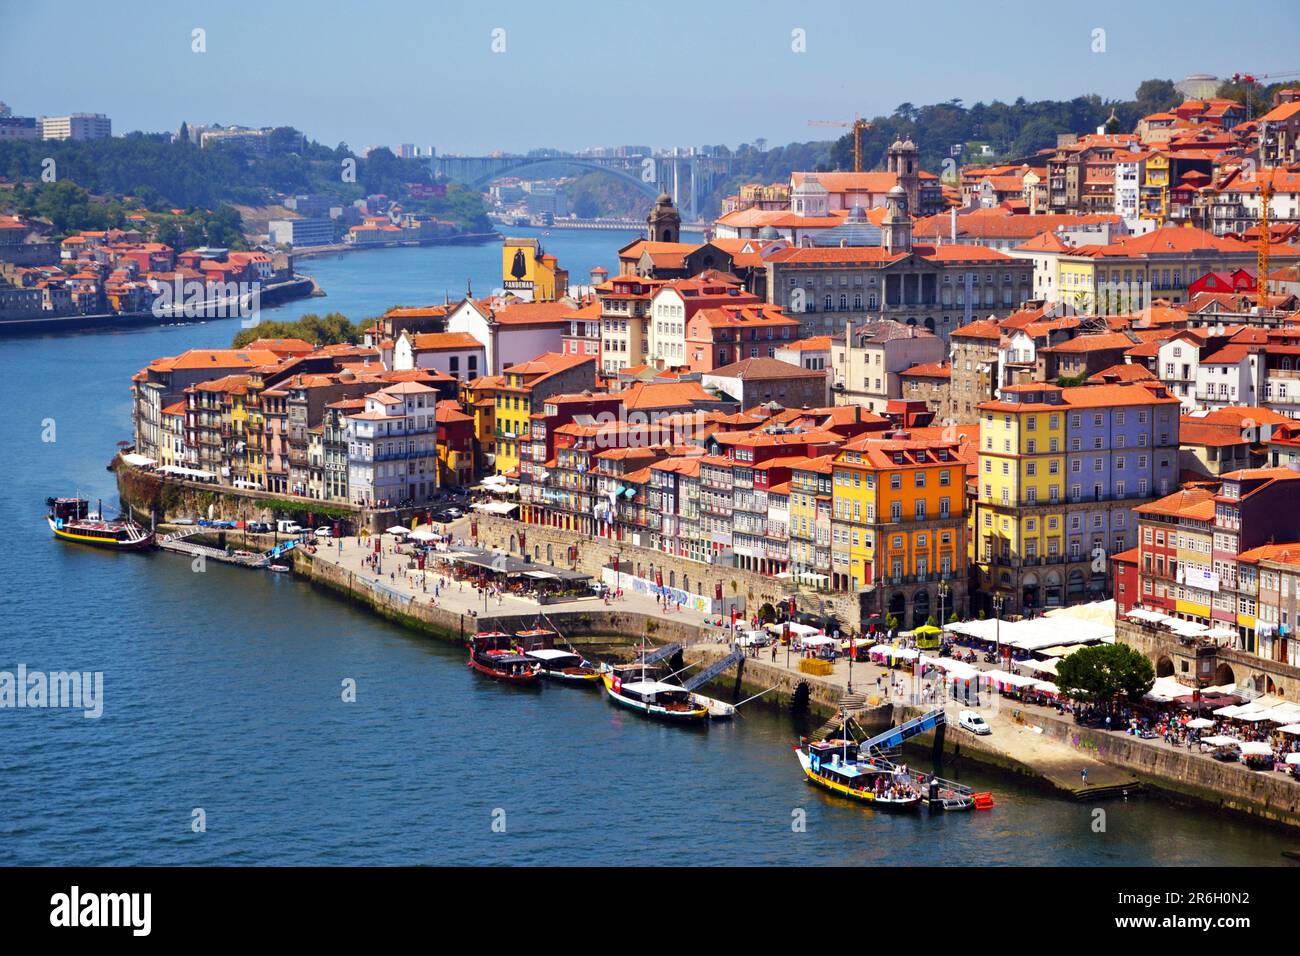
pixel 1200 723
pixel 959 670
pixel 1254 748
pixel 1003 678
pixel 1038 634
pixel 1047 687
pixel 1042 667
pixel 1151 617
pixel 1289 729
pixel 815 640
pixel 1220 741
pixel 1164 690
pixel 421 534
pixel 186 472
pixel 397 529
pixel 795 628
pixel 1216 632
pixel 926 630
pixel 1292 758
pixel 139 461
pixel 888 652
pixel 495 507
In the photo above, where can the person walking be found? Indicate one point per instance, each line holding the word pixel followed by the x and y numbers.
pixel 1084 774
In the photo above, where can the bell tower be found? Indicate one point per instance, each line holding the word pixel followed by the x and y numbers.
pixel 896 227
pixel 664 224
pixel 904 161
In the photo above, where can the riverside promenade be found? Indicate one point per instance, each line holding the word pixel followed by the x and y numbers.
pixel 1038 742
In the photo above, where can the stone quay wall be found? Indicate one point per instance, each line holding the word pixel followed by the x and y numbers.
pixel 596 552
pixel 595 627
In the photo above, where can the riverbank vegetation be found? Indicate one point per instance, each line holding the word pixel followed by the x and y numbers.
pixel 331 329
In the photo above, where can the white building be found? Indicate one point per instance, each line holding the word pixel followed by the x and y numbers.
pixel 393 446
pixel 515 332
pixel 77 126
pixel 457 354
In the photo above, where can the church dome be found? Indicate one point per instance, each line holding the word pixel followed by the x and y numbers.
pixel 768 232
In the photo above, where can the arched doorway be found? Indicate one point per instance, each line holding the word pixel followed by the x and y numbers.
pixel 550 559
pixel 1223 676
pixel 920 608
pixel 898 605
pixel 1074 587
pixel 1165 666
pixel 1029 591
pixel 1052 590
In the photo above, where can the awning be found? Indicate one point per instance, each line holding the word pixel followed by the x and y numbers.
pixel 1253 748
pixel 1200 723
pixel 542 575
pixel 496 507
pixel 1220 741
pixel 139 461
pixel 397 529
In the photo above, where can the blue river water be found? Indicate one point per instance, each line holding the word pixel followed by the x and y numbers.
pixel 222 693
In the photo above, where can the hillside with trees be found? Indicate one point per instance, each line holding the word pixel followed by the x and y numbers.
pixel 154 172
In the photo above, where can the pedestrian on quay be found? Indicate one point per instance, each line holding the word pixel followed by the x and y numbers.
pixel 1084 774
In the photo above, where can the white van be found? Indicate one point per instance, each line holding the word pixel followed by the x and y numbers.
pixel 969 720
pixel 288 527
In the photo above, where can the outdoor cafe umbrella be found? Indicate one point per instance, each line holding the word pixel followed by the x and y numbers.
pixel 1200 723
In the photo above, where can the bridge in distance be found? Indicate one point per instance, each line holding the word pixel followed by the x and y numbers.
pixel 688 179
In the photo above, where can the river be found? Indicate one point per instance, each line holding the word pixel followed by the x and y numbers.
pixel 223 692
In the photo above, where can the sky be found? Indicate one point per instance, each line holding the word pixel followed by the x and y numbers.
pixel 511 75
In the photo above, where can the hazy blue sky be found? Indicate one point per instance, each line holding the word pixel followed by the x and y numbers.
pixel 601 72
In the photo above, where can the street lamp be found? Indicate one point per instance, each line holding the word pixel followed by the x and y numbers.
pixel 997 628
pixel 944 591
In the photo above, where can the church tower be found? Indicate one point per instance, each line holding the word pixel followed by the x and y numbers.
pixel 664 222
pixel 896 227
pixel 904 161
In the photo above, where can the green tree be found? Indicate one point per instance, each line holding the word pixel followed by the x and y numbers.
pixel 1099 675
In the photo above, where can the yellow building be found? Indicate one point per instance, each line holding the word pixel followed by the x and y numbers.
pixel 530 273
pixel 171 450
pixel 1021 473
pixel 898 511
pixel 479 398
pixel 1154 203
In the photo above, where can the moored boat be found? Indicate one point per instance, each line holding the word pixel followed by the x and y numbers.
pixel 564 665
pixel 653 698
pixel 834 765
pixel 70 520
pixel 557 663
pixel 493 653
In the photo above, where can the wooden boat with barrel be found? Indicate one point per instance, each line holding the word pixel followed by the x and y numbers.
pixel 493 654
pixel 70 519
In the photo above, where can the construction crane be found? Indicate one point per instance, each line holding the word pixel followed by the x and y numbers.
pixel 1250 79
pixel 859 126
pixel 1261 256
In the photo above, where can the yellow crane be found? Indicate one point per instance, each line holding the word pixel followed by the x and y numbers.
pixel 859 126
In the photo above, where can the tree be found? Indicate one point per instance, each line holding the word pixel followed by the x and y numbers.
pixel 1100 674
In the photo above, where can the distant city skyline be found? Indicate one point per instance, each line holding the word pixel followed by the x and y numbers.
pixel 469 80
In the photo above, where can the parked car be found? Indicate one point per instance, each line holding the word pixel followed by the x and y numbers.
pixel 259 527
pixel 454 512
pixel 324 531
pixel 969 720
pixel 754 639
pixel 183 521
